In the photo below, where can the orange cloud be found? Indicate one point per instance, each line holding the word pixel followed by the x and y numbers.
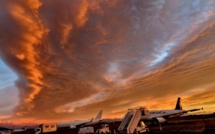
pixel 26 48
pixel 78 56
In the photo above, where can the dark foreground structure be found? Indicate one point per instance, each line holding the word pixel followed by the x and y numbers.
pixel 196 124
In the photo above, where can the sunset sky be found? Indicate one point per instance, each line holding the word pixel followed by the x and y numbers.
pixel 63 60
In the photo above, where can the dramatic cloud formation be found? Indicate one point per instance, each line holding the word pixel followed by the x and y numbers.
pixel 73 58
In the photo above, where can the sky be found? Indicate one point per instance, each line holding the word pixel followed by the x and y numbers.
pixel 63 60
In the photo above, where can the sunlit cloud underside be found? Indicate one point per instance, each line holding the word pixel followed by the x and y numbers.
pixel 69 59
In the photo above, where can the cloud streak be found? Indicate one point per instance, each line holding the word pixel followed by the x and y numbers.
pixel 76 55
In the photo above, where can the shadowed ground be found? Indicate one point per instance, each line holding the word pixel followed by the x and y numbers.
pixel 190 124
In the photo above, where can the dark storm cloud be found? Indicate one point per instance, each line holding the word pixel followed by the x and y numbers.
pixel 73 56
